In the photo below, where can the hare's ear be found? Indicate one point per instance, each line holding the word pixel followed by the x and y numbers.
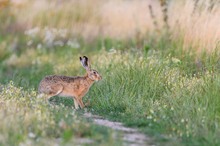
pixel 87 62
pixel 84 61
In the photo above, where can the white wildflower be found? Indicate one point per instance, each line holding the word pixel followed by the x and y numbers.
pixel 73 44
pixel 31 135
pixel 112 51
pixel 59 43
pixel 151 111
pixel 32 32
pixel 63 32
pixel 175 60
pixel 182 120
pixel 39 46
pixel 29 43
pixel 49 37
pixel 172 108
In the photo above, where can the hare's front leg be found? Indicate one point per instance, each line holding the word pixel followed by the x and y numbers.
pixel 76 103
pixel 81 103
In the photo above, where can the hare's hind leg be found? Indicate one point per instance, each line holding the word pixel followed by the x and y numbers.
pixel 54 90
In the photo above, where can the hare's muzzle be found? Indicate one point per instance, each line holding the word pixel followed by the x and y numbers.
pixel 99 78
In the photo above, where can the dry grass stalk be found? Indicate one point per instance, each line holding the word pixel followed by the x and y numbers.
pixel 4 3
pixel 164 6
pixel 122 19
pixel 195 6
pixel 211 5
pixel 153 18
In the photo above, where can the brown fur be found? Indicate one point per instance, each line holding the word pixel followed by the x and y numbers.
pixel 75 87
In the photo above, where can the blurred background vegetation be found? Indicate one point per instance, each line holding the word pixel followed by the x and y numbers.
pixel 159 60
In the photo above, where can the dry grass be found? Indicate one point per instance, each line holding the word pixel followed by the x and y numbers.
pixel 197 24
pixel 200 29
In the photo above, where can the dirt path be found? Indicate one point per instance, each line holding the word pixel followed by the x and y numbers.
pixel 131 136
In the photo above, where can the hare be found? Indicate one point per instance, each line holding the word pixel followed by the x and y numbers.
pixel 75 87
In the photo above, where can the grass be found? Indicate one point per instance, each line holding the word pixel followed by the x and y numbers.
pixel 164 93
pixel 162 98
pixel 26 120
pixel 166 84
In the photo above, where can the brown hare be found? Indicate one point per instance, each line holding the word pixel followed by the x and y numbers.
pixel 76 87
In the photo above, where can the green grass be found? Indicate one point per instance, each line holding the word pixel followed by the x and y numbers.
pixel 156 95
pixel 160 90
pixel 155 84
pixel 27 120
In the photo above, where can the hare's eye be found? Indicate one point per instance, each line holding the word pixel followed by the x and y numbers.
pixel 94 72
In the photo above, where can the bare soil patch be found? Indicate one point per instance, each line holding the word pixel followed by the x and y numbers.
pixel 130 136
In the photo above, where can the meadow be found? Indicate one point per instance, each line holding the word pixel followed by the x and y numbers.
pixel 159 61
